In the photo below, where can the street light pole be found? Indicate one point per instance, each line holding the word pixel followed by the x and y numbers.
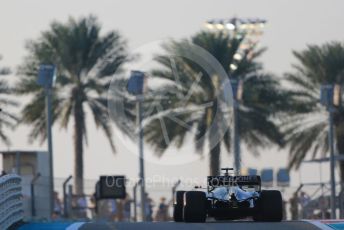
pixel 136 86
pixel 332 165
pixel 50 145
pixel 141 155
pixel 46 79
pixel 330 97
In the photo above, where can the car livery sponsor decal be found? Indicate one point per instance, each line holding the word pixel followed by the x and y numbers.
pixel 216 181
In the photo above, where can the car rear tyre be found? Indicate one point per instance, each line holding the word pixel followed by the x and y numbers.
pixel 269 206
pixel 178 207
pixel 195 209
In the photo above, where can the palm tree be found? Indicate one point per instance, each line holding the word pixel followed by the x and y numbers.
pixel 85 62
pixel 262 99
pixel 307 127
pixel 7 119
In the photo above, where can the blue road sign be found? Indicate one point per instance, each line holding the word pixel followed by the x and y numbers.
pixel 283 178
pixel 46 75
pixel 267 176
pixel 136 82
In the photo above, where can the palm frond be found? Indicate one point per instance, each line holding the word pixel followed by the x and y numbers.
pixel 306 133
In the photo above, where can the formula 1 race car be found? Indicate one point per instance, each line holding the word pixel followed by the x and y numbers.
pixel 229 197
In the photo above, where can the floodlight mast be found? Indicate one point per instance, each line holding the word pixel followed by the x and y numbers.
pixel 237 89
pixel 250 29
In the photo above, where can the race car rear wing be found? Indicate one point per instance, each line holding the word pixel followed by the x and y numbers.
pixel 219 181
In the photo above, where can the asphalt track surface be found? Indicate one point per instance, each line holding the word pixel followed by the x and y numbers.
pixel 233 225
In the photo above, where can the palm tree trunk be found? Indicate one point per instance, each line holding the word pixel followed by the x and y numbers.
pixel 214 161
pixel 78 148
pixel 214 140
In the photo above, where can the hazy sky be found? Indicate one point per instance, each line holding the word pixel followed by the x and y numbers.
pixel 291 25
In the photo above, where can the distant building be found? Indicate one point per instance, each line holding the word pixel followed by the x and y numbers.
pixel 28 164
